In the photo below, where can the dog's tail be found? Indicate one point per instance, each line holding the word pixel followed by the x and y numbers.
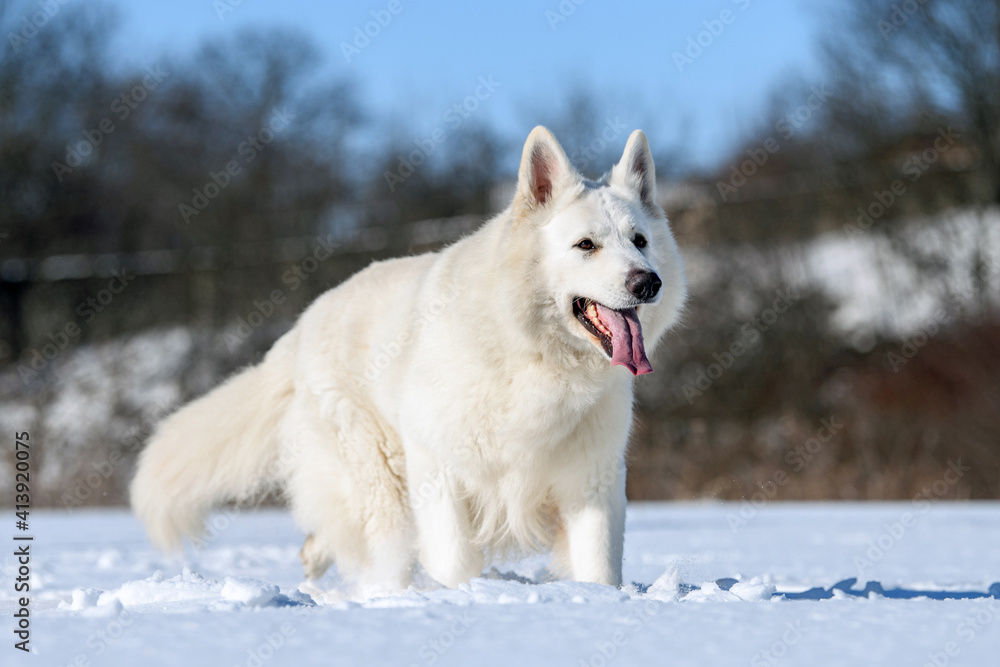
pixel 223 446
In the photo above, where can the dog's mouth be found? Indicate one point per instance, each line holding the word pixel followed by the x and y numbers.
pixel 618 332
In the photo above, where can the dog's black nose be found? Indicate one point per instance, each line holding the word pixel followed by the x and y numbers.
pixel 644 285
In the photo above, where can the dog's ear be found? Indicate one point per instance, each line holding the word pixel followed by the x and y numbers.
pixel 545 171
pixel 635 170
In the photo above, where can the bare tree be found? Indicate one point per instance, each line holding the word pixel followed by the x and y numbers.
pixel 896 64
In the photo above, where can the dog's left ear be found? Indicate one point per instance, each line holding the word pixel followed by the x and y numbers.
pixel 635 170
pixel 545 171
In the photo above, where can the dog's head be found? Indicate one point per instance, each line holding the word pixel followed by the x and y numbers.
pixel 610 261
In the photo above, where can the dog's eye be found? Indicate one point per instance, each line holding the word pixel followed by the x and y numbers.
pixel 586 244
pixel 639 241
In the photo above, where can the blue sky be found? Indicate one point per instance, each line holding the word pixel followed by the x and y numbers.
pixel 432 54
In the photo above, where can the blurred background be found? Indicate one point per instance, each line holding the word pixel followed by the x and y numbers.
pixel 178 181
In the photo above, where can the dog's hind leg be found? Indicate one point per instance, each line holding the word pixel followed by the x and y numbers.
pixel 388 523
pixel 320 491
pixel 347 492
pixel 320 497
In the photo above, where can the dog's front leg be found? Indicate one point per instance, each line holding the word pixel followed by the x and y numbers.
pixel 446 549
pixel 594 526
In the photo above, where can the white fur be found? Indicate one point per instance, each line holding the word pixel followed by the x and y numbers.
pixel 446 408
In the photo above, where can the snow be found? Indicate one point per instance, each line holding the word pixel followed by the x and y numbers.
pixel 709 584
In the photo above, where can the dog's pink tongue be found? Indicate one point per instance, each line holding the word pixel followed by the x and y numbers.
pixel 626 339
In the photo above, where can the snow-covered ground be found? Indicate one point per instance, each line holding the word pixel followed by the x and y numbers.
pixel 710 585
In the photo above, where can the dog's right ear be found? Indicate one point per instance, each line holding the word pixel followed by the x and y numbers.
pixel 545 172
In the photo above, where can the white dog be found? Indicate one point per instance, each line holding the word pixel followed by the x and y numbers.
pixel 454 406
